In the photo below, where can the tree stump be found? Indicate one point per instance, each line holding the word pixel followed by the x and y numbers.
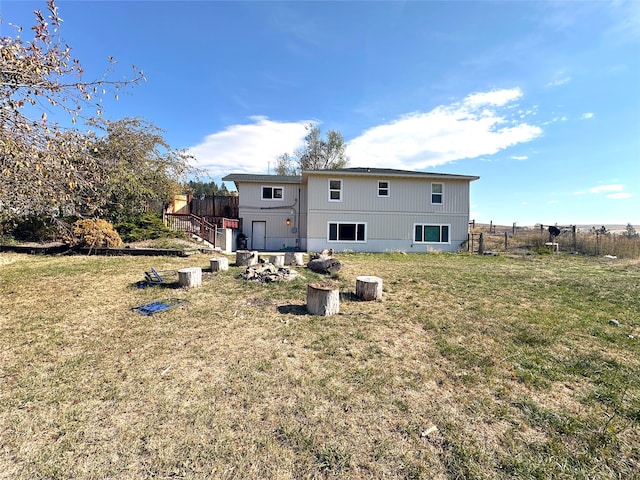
pixel 219 264
pixel 276 260
pixel 368 287
pixel 246 258
pixel 323 299
pixel 294 258
pixel 190 277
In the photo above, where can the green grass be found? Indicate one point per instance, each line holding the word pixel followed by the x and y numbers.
pixel 469 367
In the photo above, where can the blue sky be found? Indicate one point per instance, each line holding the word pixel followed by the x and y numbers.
pixel 540 99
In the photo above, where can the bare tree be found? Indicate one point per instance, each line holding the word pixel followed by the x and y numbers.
pixel 316 154
pixel 43 166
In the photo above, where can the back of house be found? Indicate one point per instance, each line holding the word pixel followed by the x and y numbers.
pixel 355 209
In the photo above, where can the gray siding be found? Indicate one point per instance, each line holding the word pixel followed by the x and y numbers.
pixel 386 231
pixel 274 213
pixel 360 194
pixel 390 220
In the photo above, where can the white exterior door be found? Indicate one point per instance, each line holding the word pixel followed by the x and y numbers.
pixel 258 235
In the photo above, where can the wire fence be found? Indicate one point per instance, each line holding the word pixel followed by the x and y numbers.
pixel 570 239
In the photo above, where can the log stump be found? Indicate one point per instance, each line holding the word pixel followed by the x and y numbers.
pixel 323 299
pixel 294 258
pixel 246 258
pixel 190 277
pixel 219 264
pixel 276 260
pixel 324 265
pixel 368 287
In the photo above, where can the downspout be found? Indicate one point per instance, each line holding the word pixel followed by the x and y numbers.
pixel 298 222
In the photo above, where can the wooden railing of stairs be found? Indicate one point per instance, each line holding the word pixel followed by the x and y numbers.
pixel 204 228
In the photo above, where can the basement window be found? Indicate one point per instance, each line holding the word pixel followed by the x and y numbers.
pixel 431 233
pixel 347 232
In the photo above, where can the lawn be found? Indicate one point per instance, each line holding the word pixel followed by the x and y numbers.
pixel 469 367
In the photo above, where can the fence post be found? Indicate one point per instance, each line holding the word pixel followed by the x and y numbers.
pixel 506 236
pixel 481 244
pixel 573 238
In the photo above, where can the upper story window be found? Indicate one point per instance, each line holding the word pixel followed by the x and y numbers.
pixel 272 193
pixel 437 193
pixel 335 190
pixel 383 188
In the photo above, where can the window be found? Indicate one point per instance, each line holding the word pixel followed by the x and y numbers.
pixel 437 190
pixel 347 232
pixel 431 233
pixel 335 190
pixel 272 193
pixel 383 188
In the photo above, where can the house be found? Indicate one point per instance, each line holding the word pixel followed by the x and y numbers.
pixel 356 209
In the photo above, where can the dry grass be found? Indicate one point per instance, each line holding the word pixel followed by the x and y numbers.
pixel 470 367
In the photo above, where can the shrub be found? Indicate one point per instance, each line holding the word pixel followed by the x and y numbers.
pixel 34 229
pixel 95 234
pixel 146 227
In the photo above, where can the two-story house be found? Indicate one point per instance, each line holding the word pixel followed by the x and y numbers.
pixel 357 209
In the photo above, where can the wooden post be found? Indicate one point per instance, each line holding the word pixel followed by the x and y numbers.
pixel 573 238
pixel 368 287
pixel 276 260
pixel 190 277
pixel 294 258
pixel 506 240
pixel 246 258
pixel 219 264
pixel 323 299
pixel 481 244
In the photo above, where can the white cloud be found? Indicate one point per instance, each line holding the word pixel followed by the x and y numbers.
pixel 586 116
pixel 497 98
pixel 607 188
pixel 618 195
pixel 468 129
pixel 559 81
pixel 481 124
pixel 519 157
pixel 248 148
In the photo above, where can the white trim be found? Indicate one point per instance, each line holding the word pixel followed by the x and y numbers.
pixel 334 190
pixel 436 193
pixel 387 188
pixel 440 225
pixel 338 223
pixel 273 188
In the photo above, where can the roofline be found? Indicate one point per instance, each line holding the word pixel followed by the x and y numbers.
pixel 261 178
pixel 386 172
